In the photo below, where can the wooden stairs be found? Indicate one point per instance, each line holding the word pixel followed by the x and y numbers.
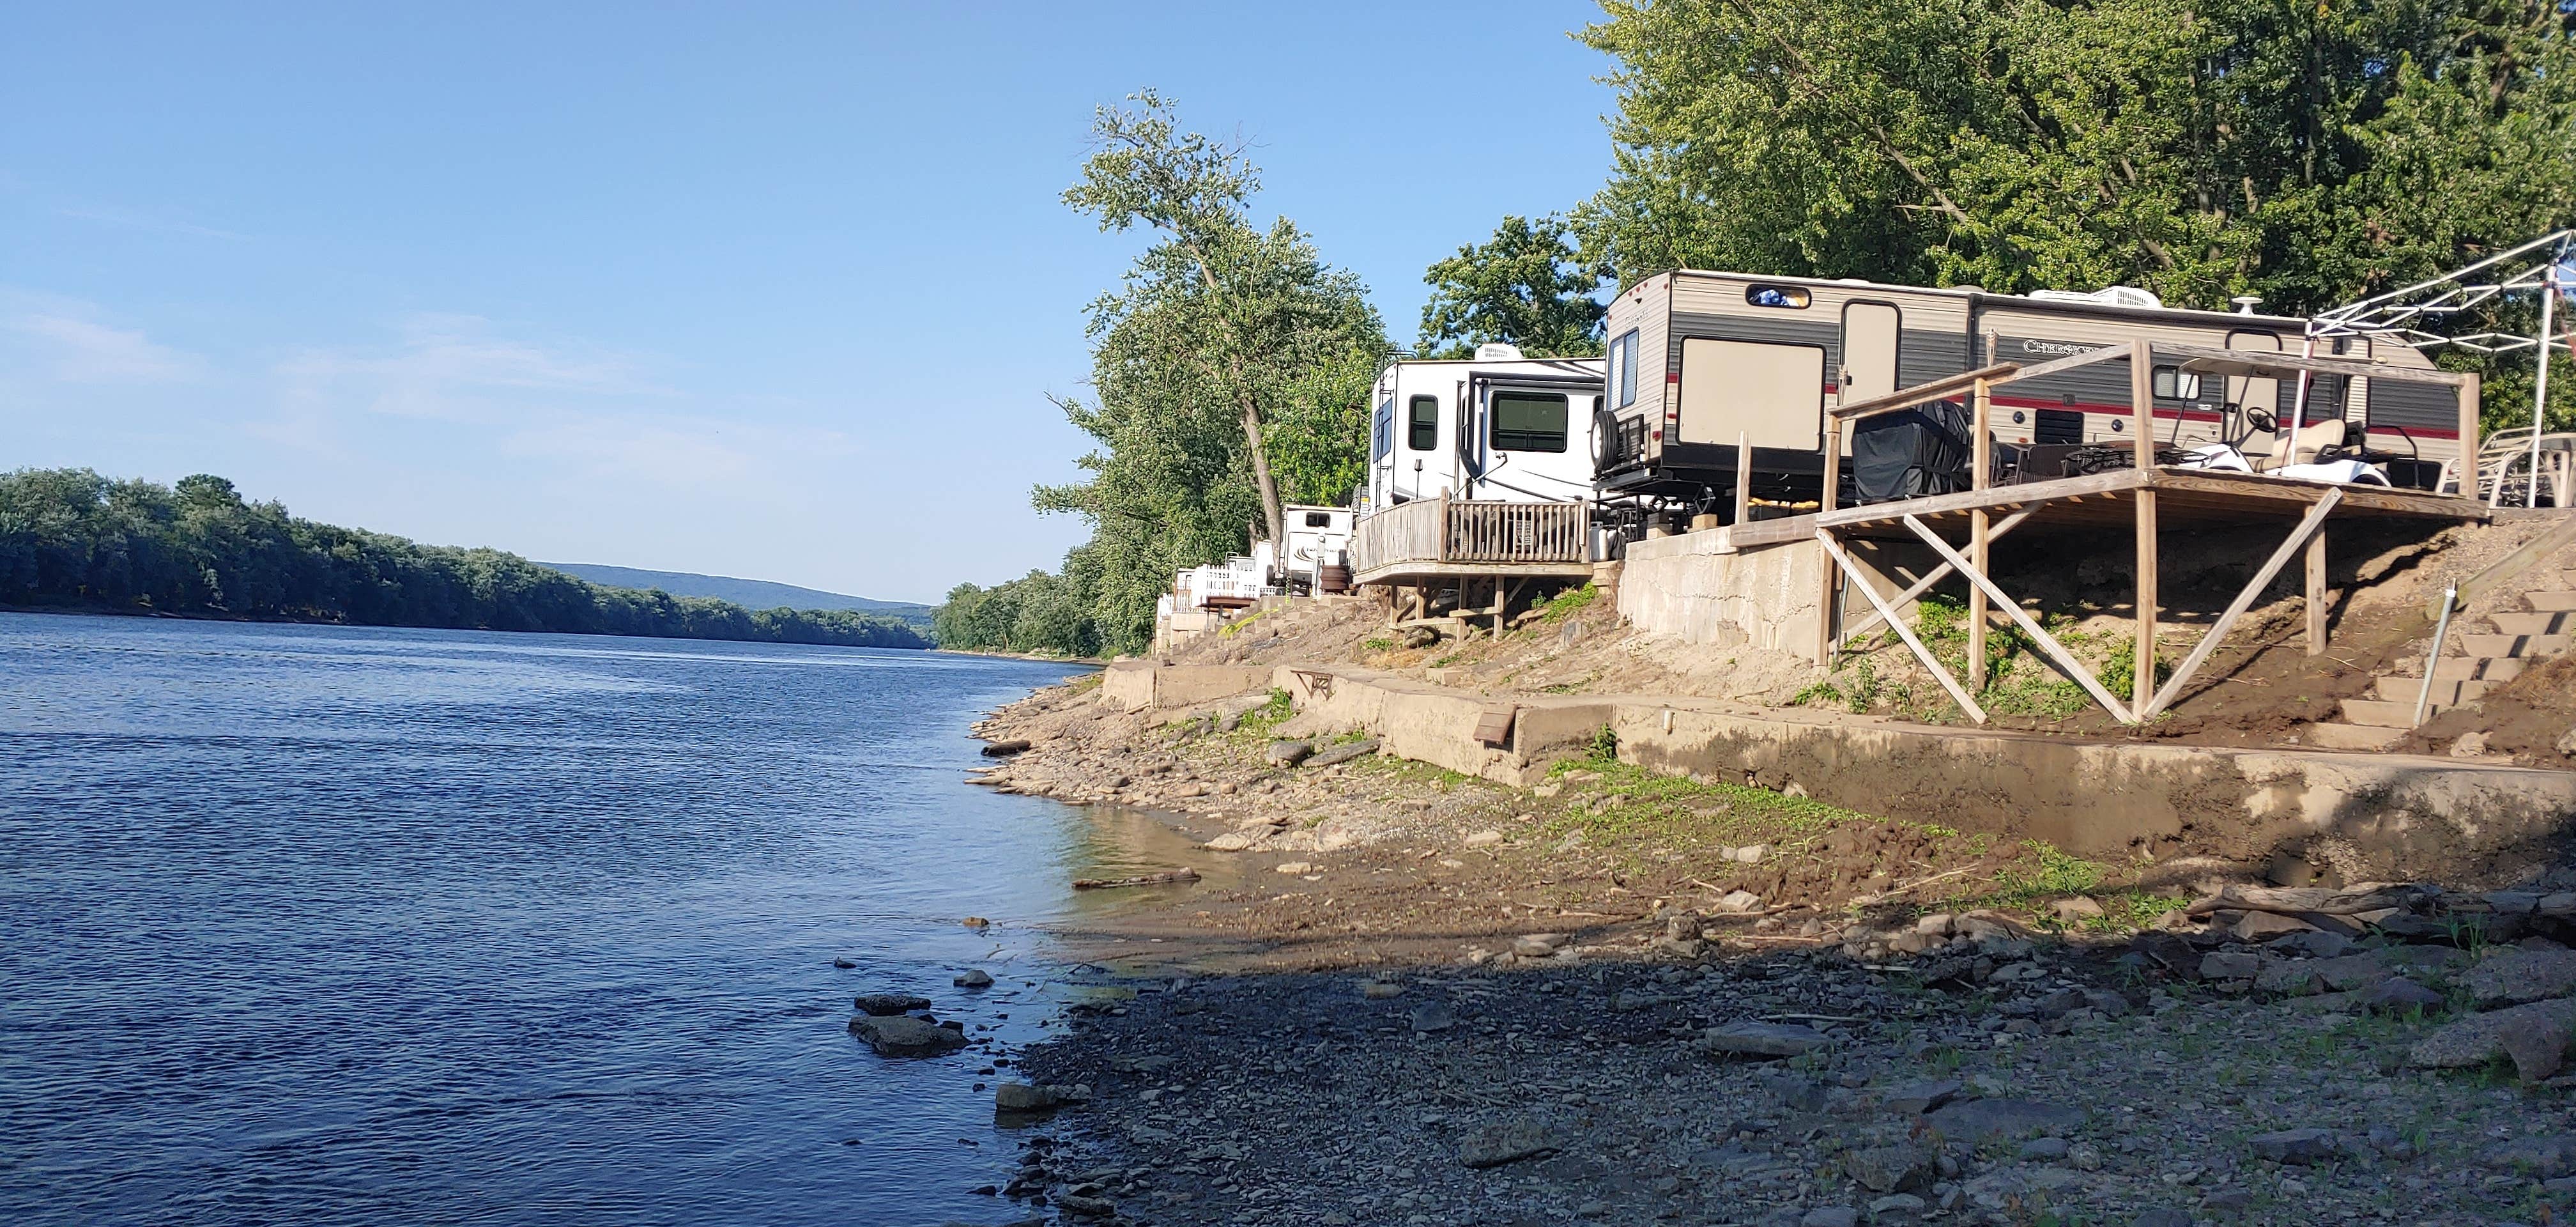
pixel 2485 659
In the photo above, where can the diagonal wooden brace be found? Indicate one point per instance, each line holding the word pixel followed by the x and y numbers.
pixel 1934 576
pixel 2048 643
pixel 2316 519
pixel 1860 581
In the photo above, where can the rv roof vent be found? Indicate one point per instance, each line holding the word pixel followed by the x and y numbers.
pixel 1497 351
pixel 2115 296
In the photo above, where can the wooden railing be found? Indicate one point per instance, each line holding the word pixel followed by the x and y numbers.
pixel 1445 530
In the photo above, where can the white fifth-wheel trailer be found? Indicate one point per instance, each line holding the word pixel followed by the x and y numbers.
pixel 1497 427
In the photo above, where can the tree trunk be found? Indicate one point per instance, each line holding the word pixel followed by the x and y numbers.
pixel 1271 513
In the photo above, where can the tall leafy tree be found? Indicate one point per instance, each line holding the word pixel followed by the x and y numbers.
pixel 1526 286
pixel 1229 370
pixel 2307 153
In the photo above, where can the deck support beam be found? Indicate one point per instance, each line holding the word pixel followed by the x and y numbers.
pixel 2316 592
pixel 2048 643
pixel 2142 413
pixel 2310 529
pixel 1934 576
pixel 1825 539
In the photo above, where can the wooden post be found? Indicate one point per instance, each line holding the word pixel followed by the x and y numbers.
pixel 2317 592
pixel 1443 526
pixel 1828 575
pixel 2142 405
pixel 1743 478
pixel 2469 434
pixel 1982 451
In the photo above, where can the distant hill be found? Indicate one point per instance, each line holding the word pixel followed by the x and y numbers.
pixel 748 593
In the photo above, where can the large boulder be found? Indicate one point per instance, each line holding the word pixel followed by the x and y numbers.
pixel 2479 1038
pixel 1498 1144
pixel 905 1036
pixel 1978 1119
pixel 1762 1040
pixel 884 1004
pixel 1343 753
pixel 2514 976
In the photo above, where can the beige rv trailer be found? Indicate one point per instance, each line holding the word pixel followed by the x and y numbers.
pixel 1699 361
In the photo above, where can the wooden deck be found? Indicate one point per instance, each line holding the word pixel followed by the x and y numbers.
pixel 1433 540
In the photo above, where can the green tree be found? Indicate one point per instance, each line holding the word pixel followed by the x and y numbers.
pixel 2200 148
pixel 1231 365
pixel 1525 286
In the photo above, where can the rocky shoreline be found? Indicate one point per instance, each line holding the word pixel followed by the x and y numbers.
pixel 1618 999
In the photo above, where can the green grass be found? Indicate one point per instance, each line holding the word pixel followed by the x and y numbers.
pixel 1679 806
pixel 1568 603
pixel 1377 644
pixel 1231 629
pixel 2043 873
pixel 1258 722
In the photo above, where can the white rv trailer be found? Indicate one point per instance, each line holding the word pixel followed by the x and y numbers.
pixel 1698 360
pixel 1318 537
pixel 1497 427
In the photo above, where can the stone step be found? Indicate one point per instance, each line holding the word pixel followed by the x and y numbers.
pixel 2552 602
pixel 2534 624
pixel 2524 647
pixel 2475 668
pixel 2385 713
pixel 2449 692
pixel 2353 737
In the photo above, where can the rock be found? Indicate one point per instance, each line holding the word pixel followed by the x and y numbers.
pixel 1021 1097
pixel 1433 1017
pixel 2515 976
pixel 1483 839
pixel 1761 1039
pixel 2105 1002
pixel 883 1004
pixel 1086 1206
pixel 2538 1052
pixel 2398 995
pixel 1830 1216
pixel 2230 965
pixel 1335 755
pixel 1896 1205
pixel 1005 749
pixel 2226 1201
pixel 1416 637
pixel 974 977
pixel 1915 1099
pixel 1978 1119
pixel 2044 1150
pixel 1233 841
pixel 976 922
pixel 2315 943
pixel 1509 1141
pixel 2544 1157
pixel 1296 867
pixel 2162 1216
pixel 2479 1038
pixel 1285 753
pixel 2296 1145
pixel 1902 1168
pixel 1537 945
pixel 2075 908
pixel 1380 990
pixel 905 1036
pixel 1739 901
pixel 1751 854
pixel 2264 926
pixel 2469 745
pixel 843 964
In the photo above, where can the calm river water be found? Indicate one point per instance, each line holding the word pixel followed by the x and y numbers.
pixel 320 925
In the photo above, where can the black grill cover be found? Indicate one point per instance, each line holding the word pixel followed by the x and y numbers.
pixel 1911 453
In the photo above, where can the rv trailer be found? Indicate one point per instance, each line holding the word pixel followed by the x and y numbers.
pixel 1702 361
pixel 1319 540
pixel 1496 428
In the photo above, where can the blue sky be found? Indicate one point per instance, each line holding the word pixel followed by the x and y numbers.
pixel 763 290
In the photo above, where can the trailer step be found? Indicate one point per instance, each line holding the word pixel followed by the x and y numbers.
pixel 2383 713
pixel 2535 624
pixel 2447 693
pixel 2353 737
pixel 2475 668
pixel 2520 647
pixel 2551 602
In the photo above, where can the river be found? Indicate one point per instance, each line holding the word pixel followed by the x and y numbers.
pixel 328 924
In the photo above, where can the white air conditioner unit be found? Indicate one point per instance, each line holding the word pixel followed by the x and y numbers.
pixel 2114 296
pixel 1497 351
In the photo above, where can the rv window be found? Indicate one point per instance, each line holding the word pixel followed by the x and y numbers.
pixel 1623 370
pixel 2173 384
pixel 1319 519
pixel 1382 434
pixel 1776 296
pixel 1426 424
pixel 1528 422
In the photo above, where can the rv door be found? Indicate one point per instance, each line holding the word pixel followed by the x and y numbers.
pixel 1771 393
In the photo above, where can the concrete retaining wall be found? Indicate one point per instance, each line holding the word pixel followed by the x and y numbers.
pixel 1134 685
pixel 2369 817
pixel 1699 588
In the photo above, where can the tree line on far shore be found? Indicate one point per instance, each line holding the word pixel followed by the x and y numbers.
pixel 72 538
